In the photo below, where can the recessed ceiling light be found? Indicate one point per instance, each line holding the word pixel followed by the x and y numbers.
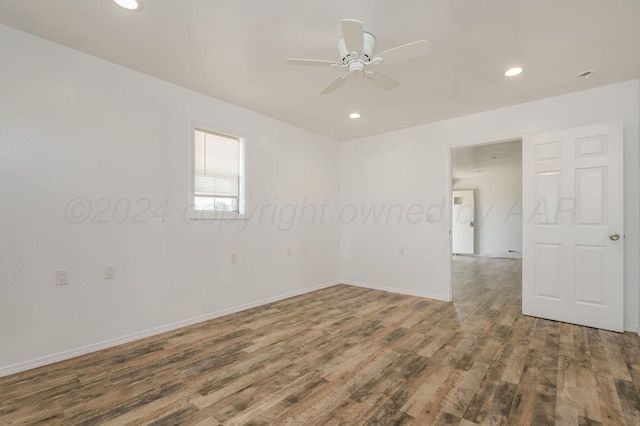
pixel 130 4
pixel 354 115
pixel 512 72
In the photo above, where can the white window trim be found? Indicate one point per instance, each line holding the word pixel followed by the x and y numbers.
pixel 243 193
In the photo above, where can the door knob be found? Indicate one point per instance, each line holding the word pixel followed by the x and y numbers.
pixel 614 237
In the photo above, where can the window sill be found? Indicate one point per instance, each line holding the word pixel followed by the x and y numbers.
pixel 203 215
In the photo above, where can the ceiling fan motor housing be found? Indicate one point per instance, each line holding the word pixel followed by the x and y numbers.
pixel 365 55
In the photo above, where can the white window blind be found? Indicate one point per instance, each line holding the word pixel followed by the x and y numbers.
pixel 217 165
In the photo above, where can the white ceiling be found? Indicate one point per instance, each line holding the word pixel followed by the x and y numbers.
pixel 235 50
pixel 503 158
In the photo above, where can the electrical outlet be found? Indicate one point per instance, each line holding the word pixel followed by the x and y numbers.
pixel 289 252
pixel 305 250
pixel 234 257
pixel 62 277
pixel 110 272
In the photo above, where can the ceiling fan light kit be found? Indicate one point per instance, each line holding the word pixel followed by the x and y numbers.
pixel 356 50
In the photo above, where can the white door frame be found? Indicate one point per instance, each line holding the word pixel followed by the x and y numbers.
pixel 449 200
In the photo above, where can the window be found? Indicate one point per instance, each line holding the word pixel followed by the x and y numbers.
pixel 218 174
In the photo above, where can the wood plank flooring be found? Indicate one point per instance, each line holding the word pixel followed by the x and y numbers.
pixel 351 356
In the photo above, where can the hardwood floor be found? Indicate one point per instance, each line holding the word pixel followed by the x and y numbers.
pixel 350 356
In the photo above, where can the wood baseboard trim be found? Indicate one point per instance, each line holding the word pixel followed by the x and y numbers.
pixel 398 290
pixel 94 347
pixel 632 328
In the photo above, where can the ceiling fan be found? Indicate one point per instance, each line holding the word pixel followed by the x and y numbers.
pixel 356 48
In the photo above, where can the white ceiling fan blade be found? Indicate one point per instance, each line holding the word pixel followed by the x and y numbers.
pixel 312 62
pixel 384 80
pixel 353 33
pixel 406 51
pixel 335 84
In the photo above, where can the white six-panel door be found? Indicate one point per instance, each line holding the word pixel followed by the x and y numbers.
pixel 573 226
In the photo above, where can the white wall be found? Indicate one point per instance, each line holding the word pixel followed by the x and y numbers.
pixel 75 126
pixel 411 166
pixel 498 218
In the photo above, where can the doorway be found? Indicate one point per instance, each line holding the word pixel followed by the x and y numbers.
pixel 489 177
